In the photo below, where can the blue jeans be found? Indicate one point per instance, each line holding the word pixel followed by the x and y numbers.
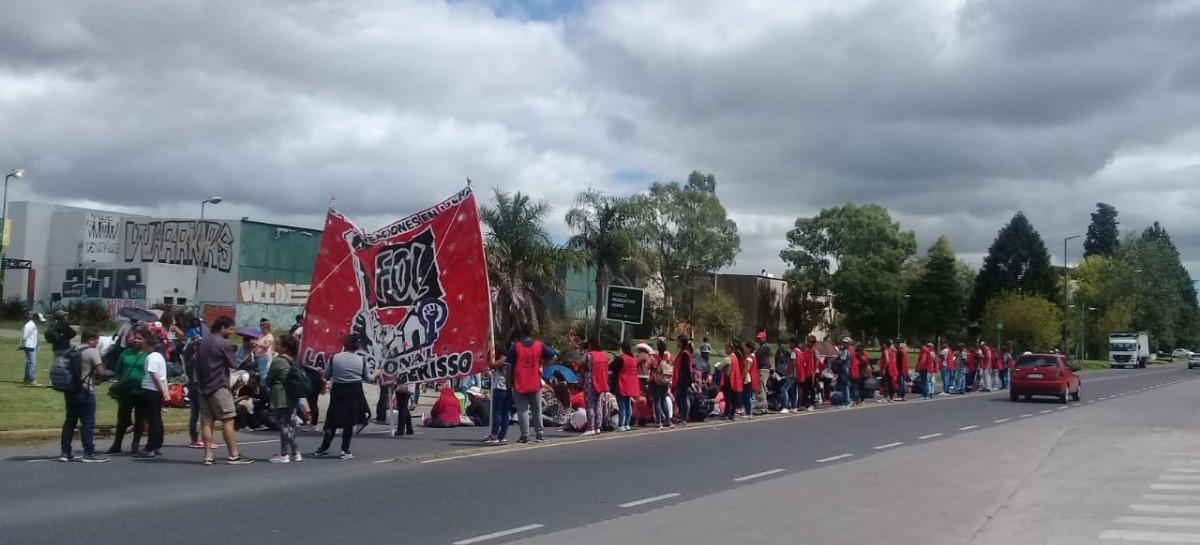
pixel 662 411
pixel 501 399
pixel 947 378
pixel 844 388
pixel 81 409
pixel 747 400
pixel 624 411
pixel 682 403
pixel 1003 379
pixel 960 381
pixel 30 362
pixel 902 382
pixel 926 379
pixel 787 393
pixel 264 364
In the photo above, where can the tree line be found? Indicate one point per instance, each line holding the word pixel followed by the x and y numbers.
pixel 852 259
pixel 855 258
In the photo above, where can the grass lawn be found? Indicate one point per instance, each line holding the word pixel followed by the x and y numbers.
pixel 24 408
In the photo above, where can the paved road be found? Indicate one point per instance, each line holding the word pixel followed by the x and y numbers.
pixel 767 479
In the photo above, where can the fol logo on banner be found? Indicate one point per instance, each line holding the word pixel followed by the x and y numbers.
pixel 401 310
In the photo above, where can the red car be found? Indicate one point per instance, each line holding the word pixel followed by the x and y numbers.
pixel 1046 375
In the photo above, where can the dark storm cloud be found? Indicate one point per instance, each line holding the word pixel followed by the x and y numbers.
pixel 953 114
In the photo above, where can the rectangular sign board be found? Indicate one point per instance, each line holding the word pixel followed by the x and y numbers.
pixel 624 304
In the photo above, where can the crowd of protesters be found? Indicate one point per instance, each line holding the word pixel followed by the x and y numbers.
pixel 261 385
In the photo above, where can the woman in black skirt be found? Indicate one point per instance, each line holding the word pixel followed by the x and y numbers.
pixel 345 373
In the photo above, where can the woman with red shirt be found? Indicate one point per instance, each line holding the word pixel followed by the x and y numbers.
pixel 731 382
pixel 628 387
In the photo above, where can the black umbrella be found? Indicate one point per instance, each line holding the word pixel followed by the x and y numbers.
pixel 137 314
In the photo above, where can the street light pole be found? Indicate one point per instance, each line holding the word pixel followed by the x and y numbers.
pixel 211 200
pixel 898 303
pixel 1082 329
pixel 18 174
pixel 1063 344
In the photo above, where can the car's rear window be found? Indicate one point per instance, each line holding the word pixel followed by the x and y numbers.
pixel 1037 361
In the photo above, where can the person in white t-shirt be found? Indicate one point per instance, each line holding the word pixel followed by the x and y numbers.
pixel 148 408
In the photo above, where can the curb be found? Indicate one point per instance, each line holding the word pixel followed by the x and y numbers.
pixel 50 434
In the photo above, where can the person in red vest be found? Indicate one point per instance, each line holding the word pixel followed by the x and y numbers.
pixel 887 370
pixel 750 383
pixel 526 358
pixel 595 384
pixel 683 379
pixel 925 365
pixel 948 368
pixel 902 370
pixel 731 382
pixel 806 374
pixel 628 386
pixel 972 368
pixel 991 377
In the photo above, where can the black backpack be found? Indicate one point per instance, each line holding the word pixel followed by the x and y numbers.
pixel 296 384
pixel 65 372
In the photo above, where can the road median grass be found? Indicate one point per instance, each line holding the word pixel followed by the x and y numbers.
pixel 29 411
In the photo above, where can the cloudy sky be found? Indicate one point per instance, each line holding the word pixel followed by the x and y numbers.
pixel 952 114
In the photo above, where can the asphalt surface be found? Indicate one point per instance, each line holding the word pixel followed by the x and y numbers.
pixel 443 487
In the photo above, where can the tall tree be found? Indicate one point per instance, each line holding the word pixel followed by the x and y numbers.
pixel 1102 235
pixel 521 260
pixel 720 316
pixel 937 297
pixel 1030 322
pixel 1164 294
pixel 855 253
pixel 687 228
pixel 607 236
pixel 1017 262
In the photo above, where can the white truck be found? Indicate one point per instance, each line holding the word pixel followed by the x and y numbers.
pixel 1128 349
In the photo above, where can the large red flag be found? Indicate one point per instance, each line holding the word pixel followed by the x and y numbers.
pixel 416 292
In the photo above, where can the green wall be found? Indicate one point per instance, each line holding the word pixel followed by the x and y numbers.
pixel 271 255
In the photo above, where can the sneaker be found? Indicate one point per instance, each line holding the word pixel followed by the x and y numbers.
pixel 501 441
pixel 523 439
pixel 281 459
pixel 784 411
pixel 207 461
pixel 810 409
pixel 33 384
pixel 196 444
pixel 296 457
pixel 66 457
pixel 94 459
pixel 491 439
pixel 539 439
pixel 239 461
pixel 346 456
pixel 113 450
pixel 144 454
pixel 320 454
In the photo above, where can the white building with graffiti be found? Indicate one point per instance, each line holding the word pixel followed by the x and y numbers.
pixel 246 269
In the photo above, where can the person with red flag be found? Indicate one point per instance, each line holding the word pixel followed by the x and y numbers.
pixel 526 357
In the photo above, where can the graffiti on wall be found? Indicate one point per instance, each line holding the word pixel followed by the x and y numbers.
pixel 101 233
pixel 111 305
pixel 104 283
pixel 207 243
pixel 212 312
pixel 272 293
pixel 281 316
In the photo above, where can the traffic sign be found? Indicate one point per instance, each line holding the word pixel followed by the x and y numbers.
pixel 624 304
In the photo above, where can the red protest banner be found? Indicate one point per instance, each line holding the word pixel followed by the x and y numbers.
pixel 416 292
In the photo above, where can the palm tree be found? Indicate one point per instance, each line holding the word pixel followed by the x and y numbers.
pixel 607 236
pixel 521 260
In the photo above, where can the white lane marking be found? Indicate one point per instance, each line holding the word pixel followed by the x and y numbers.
pixel 1154 537
pixel 1158 521
pixel 889 445
pixel 275 440
pixel 385 461
pixel 832 458
pixel 930 436
pixel 1063 408
pixel 1179 478
pixel 1047 411
pixel 1174 486
pixel 1001 421
pixel 758 475
pixel 965 428
pixel 1184 470
pixel 650 500
pixel 1156 508
pixel 495 535
pixel 1076 404
pixel 1090 401
pixel 1171 497
pixel 1026 415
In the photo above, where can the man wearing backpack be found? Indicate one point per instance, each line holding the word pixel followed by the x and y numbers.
pixel 60 333
pixel 80 399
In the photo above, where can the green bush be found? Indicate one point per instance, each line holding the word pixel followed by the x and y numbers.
pixel 89 313
pixel 14 309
